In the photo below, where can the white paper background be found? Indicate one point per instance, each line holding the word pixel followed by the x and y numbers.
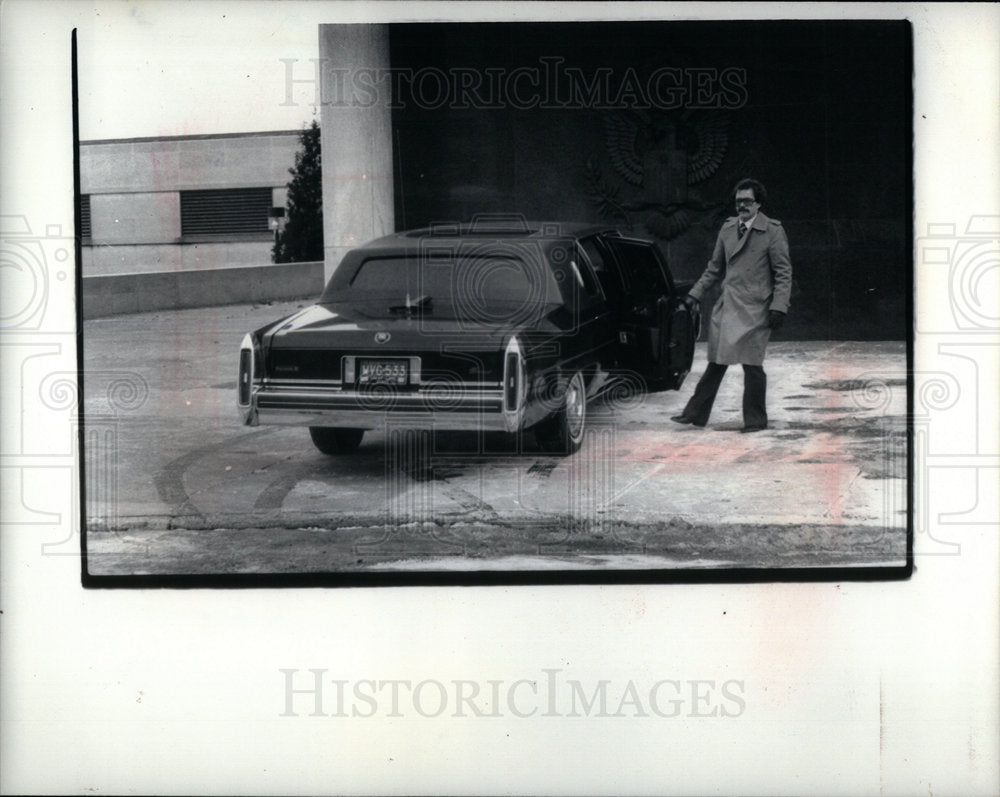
pixel 852 688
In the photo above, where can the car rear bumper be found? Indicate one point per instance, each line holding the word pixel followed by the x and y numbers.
pixel 464 410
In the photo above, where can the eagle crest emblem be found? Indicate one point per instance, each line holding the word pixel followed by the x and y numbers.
pixel 656 157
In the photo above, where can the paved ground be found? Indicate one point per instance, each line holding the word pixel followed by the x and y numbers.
pixel 177 485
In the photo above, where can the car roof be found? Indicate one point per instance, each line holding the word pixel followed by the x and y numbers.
pixel 516 230
pixel 504 233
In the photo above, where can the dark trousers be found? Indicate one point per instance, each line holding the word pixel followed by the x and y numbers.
pixel 699 407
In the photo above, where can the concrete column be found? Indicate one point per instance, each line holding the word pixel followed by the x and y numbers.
pixel 356 138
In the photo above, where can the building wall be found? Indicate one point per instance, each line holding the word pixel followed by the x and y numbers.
pixel 820 112
pixel 139 218
pixel 356 139
pixel 140 293
pixel 140 258
pixel 134 188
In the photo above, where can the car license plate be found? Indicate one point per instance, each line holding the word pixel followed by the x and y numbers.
pixel 383 372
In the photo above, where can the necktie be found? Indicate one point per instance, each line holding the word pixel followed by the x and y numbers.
pixel 742 230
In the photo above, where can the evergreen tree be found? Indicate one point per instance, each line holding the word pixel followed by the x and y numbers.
pixel 302 237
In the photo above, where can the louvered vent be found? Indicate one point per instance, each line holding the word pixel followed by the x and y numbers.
pixel 222 211
pixel 85 230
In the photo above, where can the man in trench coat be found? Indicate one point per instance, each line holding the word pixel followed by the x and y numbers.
pixel 751 258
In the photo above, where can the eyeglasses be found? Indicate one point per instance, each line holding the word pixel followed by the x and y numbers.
pixel 746 201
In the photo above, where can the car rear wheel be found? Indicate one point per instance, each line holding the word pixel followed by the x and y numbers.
pixel 331 440
pixel 562 433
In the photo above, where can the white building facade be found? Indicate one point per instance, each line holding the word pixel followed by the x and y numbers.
pixel 182 203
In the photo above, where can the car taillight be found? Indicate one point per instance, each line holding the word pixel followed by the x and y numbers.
pixel 513 376
pixel 245 383
pixel 511 382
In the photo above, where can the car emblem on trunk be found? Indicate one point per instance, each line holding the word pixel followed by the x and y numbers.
pixel 382 337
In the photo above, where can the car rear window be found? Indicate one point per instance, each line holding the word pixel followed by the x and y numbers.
pixel 467 280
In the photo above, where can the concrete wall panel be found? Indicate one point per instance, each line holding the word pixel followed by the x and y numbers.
pixel 180 164
pixel 138 293
pixel 147 218
pixel 106 260
pixel 357 143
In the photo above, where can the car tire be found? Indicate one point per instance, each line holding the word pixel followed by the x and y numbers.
pixel 331 440
pixel 562 433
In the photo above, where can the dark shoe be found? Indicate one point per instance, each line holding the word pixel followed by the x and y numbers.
pixel 747 429
pixel 686 419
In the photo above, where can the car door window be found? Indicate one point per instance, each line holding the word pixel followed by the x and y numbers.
pixel 607 276
pixel 641 266
pixel 587 289
pixel 585 276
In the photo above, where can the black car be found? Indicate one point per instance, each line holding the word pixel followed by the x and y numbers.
pixel 495 325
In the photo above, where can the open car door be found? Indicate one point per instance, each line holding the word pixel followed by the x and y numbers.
pixel 658 329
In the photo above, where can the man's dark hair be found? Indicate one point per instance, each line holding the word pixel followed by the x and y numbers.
pixel 759 192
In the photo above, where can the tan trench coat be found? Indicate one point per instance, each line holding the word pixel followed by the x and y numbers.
pixel 757 278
